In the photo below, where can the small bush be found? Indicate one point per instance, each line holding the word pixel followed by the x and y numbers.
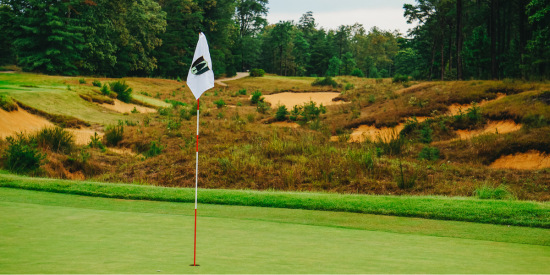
pixel 263 107
pixel 429 153
pixel 135 111
pixel 406 180
pixel 251 118
pixel 256 97
pixel 114 135
pixel 123 91
pixel 82 81
pixel 534 121
pixel 357 72
pixel 105 90
pixel 179 79
pixel 425 134
pixel 96 83
pixel 22 156
pixel 175 103
pixel 281 113
pixel 225 164
pixel 242 92
pixel 257 73
pixel 56 139
pixel 219 103
pixel 349 86
pixel 312 112
pixel 165 111
pixel 155 149
pixel 185 114
pixel 220 115
pixel 391 145
pixel 400 78
pixel 7 103
pixel 327 81
pixel 95 142
pixel 372 99
pixel 496 193
pixel 295 113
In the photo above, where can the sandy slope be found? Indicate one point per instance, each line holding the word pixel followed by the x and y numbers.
pixel 531 160
pixel 292 99
pixel 122 107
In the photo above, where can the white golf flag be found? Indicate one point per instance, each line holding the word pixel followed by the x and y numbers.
pixel 201 75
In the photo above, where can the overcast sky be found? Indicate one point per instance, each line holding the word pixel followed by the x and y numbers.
pixel 385 14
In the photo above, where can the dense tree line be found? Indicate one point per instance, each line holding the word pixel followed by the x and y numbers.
pixel 453 39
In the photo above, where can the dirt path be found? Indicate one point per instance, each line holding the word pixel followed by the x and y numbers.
pixel 532 160
pixel 238 76
pixel 292 99
pixel 122 107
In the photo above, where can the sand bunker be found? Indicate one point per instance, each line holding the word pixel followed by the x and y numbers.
pixel 122 151
pixel 501 127
pixel 292 99
pixel 456 108
pixel 122 107
pixel 532 160
pixel 84 136
pixel 286 124
pixel 15 122
pixel 364 132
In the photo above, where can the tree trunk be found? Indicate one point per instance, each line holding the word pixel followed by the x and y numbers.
pixel 493 39
pixel 459 39
pixel 450 48
pixel 281 63
pixel 433 59
pixel 442 55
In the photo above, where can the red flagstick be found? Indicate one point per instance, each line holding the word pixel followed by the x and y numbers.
pixel 196 188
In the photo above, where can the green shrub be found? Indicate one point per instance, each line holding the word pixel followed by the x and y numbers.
pixel 400 78
pixel 425 134
pixel 179 79
pixel 185 114
pixel 22 156
pixel 155 149
pixel 496 193
pixel 135 111
pixel 175 103
pixel 56 139
pixel 95 142
pixel 256 97
pixel 219 103
pixel 391 145
pixel 534 121
pixel 349 86
pixel 357 72
pixel 123 91
pixel 257 73
pixel 406 180
pixel 114 135
pixel 295 113
pixel 165 111
pixel 262 107
pixel 96 83
pixel 225 164
pixel 82 81
pixel 220 115
pixel 372 99
pixel 474 113
pixel 251 118
pixel 429 153
pixel 281 113
pixel 327 81
pixel 105 90
pixel 242 92
pixel 7 103
pixel 312 112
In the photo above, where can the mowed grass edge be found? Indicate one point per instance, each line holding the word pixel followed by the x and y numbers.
pixel 506 212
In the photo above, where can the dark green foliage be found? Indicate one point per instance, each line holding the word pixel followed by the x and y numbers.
pixel 310 111
pixel 429 153
pixel 500 192
pixel 175 103
pixel 123 91
pixel 96 83
pixel 242 92
pixel 179 79
pixel 256 97
pixel 105 90
pixel 425 134
pixel 534 121
pixel 219 103
pixel 7 104
pixel 155 149
pixel 357 72
pixel 7 49
pixel 327 81
pixel 82 81
pixel 296 111
pixel 56 139
pixel 22 155
pixel 406 179
pixel 281 113
pixel 257 73
pixel 391 145
pixel 165 111
pixel 135 111
pixel 400 78
pixel 114 135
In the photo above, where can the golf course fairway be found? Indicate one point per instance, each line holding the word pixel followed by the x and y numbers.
pixel 57 233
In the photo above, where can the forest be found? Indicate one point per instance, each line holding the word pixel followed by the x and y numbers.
pixel 450 40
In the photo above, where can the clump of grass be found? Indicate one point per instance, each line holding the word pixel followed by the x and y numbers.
pixel 22 155
pixel 82 81
pixel 56 139
pixel 155 149
pixel 219 103
pixel 175 103
pixel 429 153
pixel 96 83
pixel 262 107
pixel 105 90
pixel 7 103
pixel 242 92
pixel 114 134
pixel 135 111
pixel 487 191
pixel 95 142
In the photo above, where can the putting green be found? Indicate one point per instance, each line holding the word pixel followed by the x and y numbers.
pixel 57 233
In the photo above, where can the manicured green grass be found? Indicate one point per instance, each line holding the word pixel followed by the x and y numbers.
pixel 58 233
pixel 64 102
pixel 151 101
pixel 506 212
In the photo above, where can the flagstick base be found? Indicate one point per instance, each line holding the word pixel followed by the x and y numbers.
pixel 194 265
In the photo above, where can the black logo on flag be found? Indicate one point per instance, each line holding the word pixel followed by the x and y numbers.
pixel 200 66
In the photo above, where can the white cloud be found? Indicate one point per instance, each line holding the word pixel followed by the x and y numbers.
pixel 384 18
